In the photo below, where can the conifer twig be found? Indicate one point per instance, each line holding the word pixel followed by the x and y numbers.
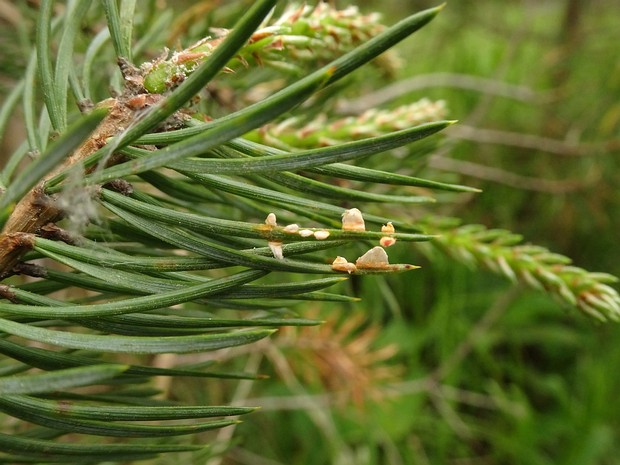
pixel 503 253
pixel 301 34
pixel 38 209
pixel 292 133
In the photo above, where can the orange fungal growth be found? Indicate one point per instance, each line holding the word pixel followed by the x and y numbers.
pixel 387 241
pixel 388 228
pixel 341 264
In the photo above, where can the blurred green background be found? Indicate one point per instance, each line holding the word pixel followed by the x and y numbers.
pixel 446 365
pixel 480 373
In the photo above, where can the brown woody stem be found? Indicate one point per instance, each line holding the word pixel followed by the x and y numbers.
pixel 38 209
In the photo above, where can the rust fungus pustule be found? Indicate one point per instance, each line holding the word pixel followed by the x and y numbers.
pixel 276 249
pixel 341 264
pixel 321 234
pixel 352 220
pixel 375 258
pixel 387 241
pixel 271 220
pixel 291 228
pixel 388 228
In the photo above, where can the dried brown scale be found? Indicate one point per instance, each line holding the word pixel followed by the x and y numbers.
pixel 120 185
pixel 30 269
pixel 7 293
pixel 134 81
pixel 12 246
pixel 53 232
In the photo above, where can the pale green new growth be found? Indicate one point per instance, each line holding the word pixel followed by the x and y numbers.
pixel 302 34
pixel 294 133
pixel 501 252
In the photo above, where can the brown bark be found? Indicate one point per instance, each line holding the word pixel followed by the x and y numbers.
pixel 37 209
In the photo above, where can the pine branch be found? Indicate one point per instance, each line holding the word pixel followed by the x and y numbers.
pixel 36 209
pixel 294 133
pixel 165 229
pixel 501 252
pixel 302 34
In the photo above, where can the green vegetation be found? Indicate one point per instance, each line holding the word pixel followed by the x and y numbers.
pixel 179 268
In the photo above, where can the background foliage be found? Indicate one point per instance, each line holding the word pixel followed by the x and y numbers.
pixel 512 380
pixel 446 364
